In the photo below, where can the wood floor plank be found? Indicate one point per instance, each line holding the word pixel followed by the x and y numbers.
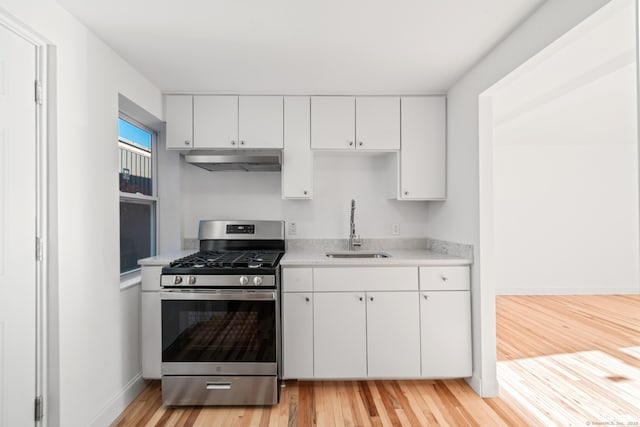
pixel 562 360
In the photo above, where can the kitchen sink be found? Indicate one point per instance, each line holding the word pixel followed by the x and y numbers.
pixel 357 255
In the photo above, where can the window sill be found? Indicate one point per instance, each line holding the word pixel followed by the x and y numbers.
pixel 130 280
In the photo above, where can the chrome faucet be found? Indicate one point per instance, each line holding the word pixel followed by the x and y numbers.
pixel 354 239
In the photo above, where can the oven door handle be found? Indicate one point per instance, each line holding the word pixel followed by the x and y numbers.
pixel 218 295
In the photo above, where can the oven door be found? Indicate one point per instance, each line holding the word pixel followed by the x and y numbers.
pixel 219 332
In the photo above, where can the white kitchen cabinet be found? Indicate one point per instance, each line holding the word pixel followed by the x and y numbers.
pixel 151 335
pixel 297 279
pixel 333 122
pixel 225 121
pixel 445 278
pixel 297 158
pixel 365 279
pixel 215 121
pixel 378 123
pixel 150 321
pixel 393 331
pixel 355 123
pixel 260 122
pixel 179 116
pixel 297 335
pixel 339 335
pixel 445 324
pixel 422 158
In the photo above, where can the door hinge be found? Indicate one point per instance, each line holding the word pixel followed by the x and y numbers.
pixel 38 249
pixel 39 409
pixel 38 92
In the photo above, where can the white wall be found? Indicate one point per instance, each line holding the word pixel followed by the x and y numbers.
pixel 369 179
pixel 565 164
pixel 458 219
pixel 98 352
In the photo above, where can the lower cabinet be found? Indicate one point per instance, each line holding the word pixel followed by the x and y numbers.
pixel 297 335
pixel 393 331
pixel 151 335
pixel 416 329
pixel 445 319
pixel 339 335
pixel 366 334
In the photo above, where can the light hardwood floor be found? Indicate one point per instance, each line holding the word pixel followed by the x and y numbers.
pixel 562 360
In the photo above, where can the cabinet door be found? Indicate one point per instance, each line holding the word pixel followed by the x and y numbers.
pixel 333 121
pixel 422 165
pixel 297 335
pixel 393 334
pixel 297 161
pixel 378 123
pixel 179 116
pixel 151 335
pixel 215 121
pixel 340 335
pixel 445 319
pixel 260 122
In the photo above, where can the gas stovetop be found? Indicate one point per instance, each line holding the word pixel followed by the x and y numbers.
pixel 219 262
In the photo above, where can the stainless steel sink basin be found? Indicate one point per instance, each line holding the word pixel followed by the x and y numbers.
pixel 357 255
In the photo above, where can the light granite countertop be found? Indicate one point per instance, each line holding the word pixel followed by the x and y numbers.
pixel 398 257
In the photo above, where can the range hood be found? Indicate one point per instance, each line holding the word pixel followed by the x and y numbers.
pixel 236 160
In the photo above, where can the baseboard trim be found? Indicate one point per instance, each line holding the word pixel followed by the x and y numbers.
pixel 119 403
pixel 631 290
pixel 484 389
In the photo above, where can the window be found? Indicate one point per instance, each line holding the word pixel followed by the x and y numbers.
pixel 137 193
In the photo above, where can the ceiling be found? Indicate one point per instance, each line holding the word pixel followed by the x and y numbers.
pixel 302 46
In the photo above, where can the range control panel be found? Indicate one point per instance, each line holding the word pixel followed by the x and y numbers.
pixel 241 229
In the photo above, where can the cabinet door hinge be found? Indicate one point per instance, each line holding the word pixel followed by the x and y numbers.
pixel 38 249
pixel 38 92
pixel 39 410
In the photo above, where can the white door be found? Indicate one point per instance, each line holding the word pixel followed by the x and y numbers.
pixel 333 122
pixel 378 123
pixel 17 230
pixel 445 320
pixel 297 334
pixel 339 335
pixel 215 121
pixel 297 167
pixel 393 334
pixel 179 114
pixel 260 121
pixel 423 156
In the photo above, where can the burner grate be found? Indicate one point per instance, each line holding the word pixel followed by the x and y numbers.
pixel 228 259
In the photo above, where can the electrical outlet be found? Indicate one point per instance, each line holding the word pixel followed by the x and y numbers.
pixel 396 229
pixel 293 229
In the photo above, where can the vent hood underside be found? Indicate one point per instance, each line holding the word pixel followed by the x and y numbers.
pixel 236 160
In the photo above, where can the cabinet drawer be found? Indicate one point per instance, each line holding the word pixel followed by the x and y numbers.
pixel 297 280
pixel 444 278
pixel 350 279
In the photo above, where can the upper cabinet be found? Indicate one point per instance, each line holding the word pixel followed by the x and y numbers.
pixel 297 158
pixel 355 123
pixel 260 123
pixel 224 121
pixel 215 121
pixel 333 122
pixel 422 159
pixel 378 123
pixel 179 115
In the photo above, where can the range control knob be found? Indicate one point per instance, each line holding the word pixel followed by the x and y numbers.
pixel 192 280
pixel 257 280
pixel 177 280
pixel 244 280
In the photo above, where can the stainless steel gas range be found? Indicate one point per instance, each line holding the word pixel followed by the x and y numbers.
pixel 220 310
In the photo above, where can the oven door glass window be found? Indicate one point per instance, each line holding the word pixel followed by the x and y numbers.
pixel 218 331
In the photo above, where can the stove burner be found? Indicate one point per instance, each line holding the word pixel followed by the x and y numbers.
pixel 229 259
